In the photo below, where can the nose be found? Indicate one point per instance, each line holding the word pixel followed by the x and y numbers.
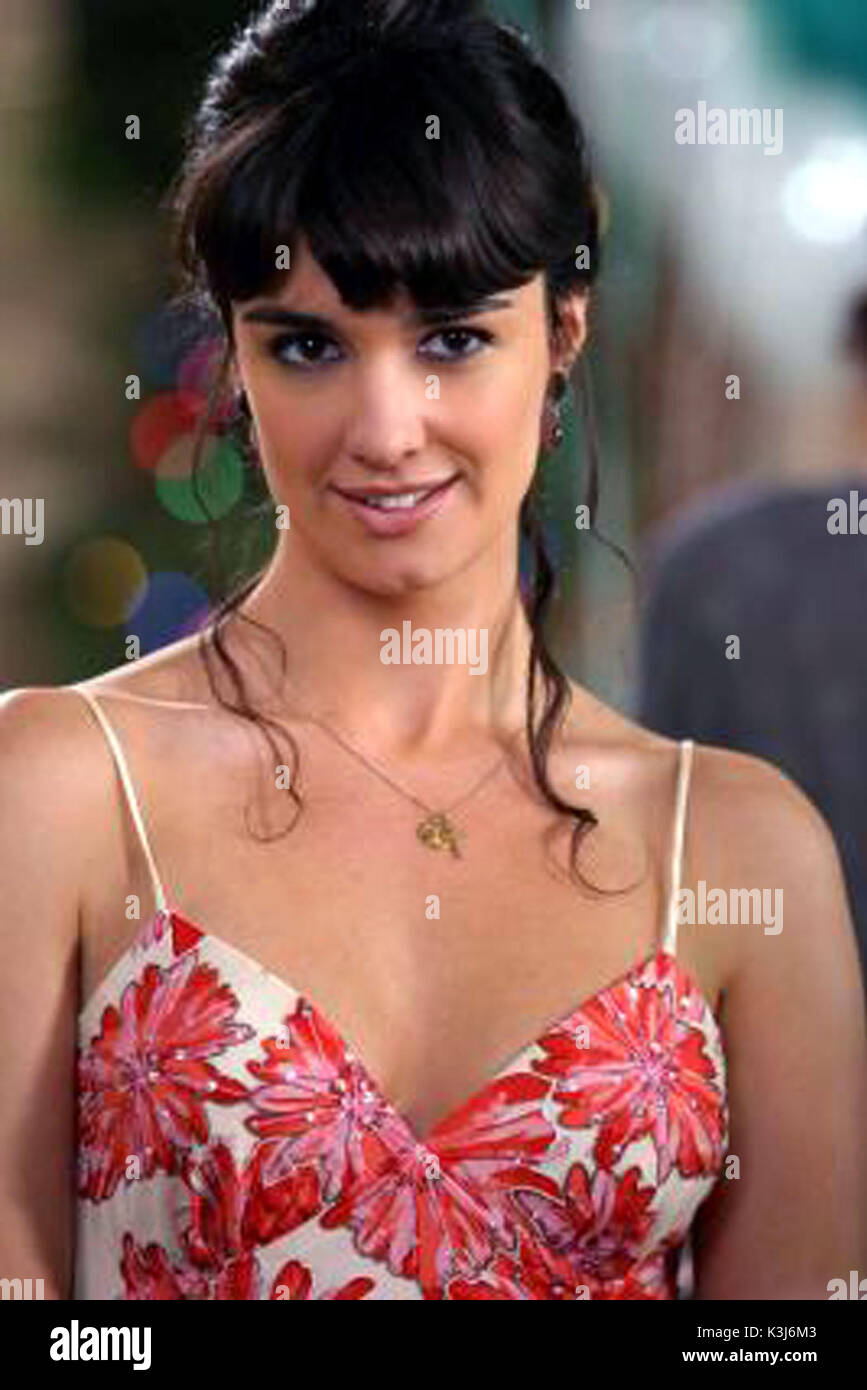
pixel 386 417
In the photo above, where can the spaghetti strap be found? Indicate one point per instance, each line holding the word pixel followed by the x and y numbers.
pixel 669 940
pixel 132 801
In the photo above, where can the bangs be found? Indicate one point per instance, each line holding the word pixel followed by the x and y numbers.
pixel 398 176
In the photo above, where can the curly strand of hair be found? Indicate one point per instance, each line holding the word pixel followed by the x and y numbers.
pixel 228 607
pixel 557 696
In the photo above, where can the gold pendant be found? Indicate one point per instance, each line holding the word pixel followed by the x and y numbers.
pixel 437 832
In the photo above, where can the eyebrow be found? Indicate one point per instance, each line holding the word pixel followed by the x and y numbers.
pixel 294 318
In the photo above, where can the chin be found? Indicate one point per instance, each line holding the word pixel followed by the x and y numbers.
pixel 394 580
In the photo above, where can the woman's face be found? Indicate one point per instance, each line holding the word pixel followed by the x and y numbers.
pixel 381 402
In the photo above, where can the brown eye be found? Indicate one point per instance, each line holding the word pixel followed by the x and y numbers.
pixel 462 334
pixel 304 341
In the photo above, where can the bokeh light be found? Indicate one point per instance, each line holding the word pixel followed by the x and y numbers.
pixel 219 480
pixel 825 197
pixel 104 580
pixel 164 338
pixel 171 607
pixel 198 372
pixel 162 420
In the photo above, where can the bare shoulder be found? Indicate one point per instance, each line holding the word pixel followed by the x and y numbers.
pixel 752 827
pixel 52 789
pixel 749 825
pixel 765 822
pixel 41 734
pixel 174 674
pixel 53 718
pixel 52 758
pixel 52 776
pixel 747 813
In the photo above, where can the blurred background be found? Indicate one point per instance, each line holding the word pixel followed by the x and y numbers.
pixel 728 364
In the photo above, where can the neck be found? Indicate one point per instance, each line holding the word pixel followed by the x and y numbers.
pixel 335 636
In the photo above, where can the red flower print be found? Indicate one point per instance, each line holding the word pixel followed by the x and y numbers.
pixel 645 1072
pixel 500 1200
pixel 437 1209
pixel 315 1104
pixel 143 1080
pixel 666 973
pixel 587 1237
pixel 501 1280
pixel 230 1211
pixel 228 1216
pixel 524 1278
pixel 294 1281
pixel 149 1276
pixel 646 1281
pixel 154 930
pixel 185 934
pixel 597 1227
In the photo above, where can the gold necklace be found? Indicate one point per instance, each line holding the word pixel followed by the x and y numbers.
pixel 435 830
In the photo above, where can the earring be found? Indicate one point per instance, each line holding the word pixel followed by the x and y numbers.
pixel 553 432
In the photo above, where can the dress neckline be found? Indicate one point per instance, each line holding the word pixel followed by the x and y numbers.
pixel 187 935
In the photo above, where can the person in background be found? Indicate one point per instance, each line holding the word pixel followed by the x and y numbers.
pixel 776 570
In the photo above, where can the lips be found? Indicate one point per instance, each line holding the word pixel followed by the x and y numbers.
pixel 398 519
pixel 421 490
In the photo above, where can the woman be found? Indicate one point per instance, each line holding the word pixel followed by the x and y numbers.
pixel 447 1033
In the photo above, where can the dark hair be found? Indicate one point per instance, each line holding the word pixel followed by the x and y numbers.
pixel 282 143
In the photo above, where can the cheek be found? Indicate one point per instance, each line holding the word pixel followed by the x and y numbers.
pixel 508 426
pixel 294 437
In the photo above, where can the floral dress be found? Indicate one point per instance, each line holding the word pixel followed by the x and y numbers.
pixel 231 1145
